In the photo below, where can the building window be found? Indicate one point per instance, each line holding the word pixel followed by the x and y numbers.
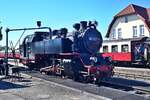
pixel 126 19
pixel 114 48
pixel 119 33
pixel 141 30
pixel 105 48
pixel 125 48
pixel 134 31
pixel 113 34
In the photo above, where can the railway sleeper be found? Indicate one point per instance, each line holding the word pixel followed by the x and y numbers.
pixel 135 76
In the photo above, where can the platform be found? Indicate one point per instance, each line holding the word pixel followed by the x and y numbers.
pixel 31 88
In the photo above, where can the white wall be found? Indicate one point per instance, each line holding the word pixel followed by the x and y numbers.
pixel 127 28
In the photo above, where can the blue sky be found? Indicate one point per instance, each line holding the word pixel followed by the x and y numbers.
pixel 59 13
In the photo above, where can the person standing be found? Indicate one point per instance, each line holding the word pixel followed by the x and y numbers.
pixel 2 69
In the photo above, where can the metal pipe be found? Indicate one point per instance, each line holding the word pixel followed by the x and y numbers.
pixel 29 29
pixel 6 55
pixel 6 52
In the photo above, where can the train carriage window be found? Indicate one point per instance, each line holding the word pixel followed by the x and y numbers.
pixel 105 48
pixel 125 48
pixel 114 48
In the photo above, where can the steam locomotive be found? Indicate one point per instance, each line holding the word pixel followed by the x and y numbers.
pixel 72 54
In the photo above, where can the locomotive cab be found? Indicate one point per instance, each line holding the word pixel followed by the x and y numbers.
pixel 24 47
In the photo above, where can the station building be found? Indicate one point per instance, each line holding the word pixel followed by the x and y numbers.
pixel 133 22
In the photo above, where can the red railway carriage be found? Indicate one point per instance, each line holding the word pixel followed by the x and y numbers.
pixel 119 56
pixel 126 51
pixel 10 55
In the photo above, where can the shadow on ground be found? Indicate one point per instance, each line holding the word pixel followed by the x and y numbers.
pixel 4 85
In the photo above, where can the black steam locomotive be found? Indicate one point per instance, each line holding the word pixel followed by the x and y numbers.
pixel 72 54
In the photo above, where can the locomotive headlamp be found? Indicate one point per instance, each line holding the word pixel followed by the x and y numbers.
pixel 93 59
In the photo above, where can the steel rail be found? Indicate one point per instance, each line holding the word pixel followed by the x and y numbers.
pixel 133 88
pixel 132 73
pixel 137 89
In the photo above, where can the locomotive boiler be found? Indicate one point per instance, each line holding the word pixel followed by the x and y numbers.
pixel 74 54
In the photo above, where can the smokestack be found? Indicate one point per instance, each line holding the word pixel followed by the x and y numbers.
pixel 83 25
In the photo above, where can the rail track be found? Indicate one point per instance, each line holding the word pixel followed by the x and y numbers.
pixel 106 87
pixel 128 88
pixel 132 73
pixel 127 73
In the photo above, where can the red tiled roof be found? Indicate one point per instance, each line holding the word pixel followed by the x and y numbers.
pixel 126 11
pixel 143 13
pixel 148 12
